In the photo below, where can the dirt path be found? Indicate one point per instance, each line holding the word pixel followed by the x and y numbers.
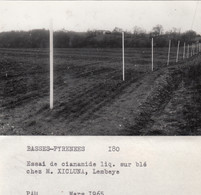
pixel 182 114
pixel 166 102
pixel 174 107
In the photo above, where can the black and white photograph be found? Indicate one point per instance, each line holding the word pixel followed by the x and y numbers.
pixel 100 68
pixel 100 97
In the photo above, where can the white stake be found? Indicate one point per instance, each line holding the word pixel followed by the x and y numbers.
pixel 168 61
pixel 188 52
pixel 197 47
pixel 123 56
pixel 184 52
pixel 51 64
pixel 177 52
pixel 194 49
pixel 152 54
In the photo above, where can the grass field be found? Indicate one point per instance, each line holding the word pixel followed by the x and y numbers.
pixel 90 97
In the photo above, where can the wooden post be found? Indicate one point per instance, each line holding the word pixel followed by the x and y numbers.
pixel 177 59
pixel 184 52
pixel 51 64
pixel 123 61
pixel 152 54
pixel 192 50
pixel 168 60
pixel 188 52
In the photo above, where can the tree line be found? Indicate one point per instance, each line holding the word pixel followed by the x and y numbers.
pixel 39 38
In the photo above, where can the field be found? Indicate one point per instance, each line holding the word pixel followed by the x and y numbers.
pixel 90 97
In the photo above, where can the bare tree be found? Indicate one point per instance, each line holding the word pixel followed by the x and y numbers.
pixel 117 30
pixel 157 30
pixel 138 30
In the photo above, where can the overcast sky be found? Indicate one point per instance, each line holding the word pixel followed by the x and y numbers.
pixel 84 15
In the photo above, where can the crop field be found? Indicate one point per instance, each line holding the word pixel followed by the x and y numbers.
pixel 90 97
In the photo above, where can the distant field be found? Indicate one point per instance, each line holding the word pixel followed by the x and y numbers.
pixel 88 89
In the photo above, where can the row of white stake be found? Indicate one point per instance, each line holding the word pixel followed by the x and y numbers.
pixel 185 54
pixel 193 52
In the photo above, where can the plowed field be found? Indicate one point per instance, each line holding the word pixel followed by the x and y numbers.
pixel 90 97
